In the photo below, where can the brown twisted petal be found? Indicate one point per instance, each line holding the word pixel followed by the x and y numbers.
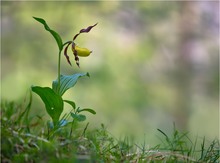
pixel 75 54
pixel 66 55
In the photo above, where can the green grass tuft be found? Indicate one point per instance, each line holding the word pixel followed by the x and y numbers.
pixel 24 140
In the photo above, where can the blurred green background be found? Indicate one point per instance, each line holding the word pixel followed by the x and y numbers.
pixel 153 63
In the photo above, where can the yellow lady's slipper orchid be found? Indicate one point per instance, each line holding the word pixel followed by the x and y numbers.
pixel 78 51
pixel 82 52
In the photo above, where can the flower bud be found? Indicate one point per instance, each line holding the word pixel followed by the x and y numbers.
pixel 82 52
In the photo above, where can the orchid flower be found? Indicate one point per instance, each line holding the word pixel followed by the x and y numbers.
pixel 78 51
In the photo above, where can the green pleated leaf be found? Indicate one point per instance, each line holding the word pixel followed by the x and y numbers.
pixel 55 34
pixel 66 82
pixel 78 117
pixel 52 101
pixel 88 110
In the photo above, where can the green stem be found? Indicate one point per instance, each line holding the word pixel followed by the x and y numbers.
pixel 71 129
pixel 59 60
pixel 67 43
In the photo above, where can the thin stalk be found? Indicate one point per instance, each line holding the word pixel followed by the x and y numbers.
pixel 59 60
pixel 71 130
pixel 67 43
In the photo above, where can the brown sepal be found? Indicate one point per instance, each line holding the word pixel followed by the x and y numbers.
pixel 85 30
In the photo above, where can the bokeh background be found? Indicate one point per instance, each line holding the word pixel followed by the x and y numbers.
pixel 153 63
